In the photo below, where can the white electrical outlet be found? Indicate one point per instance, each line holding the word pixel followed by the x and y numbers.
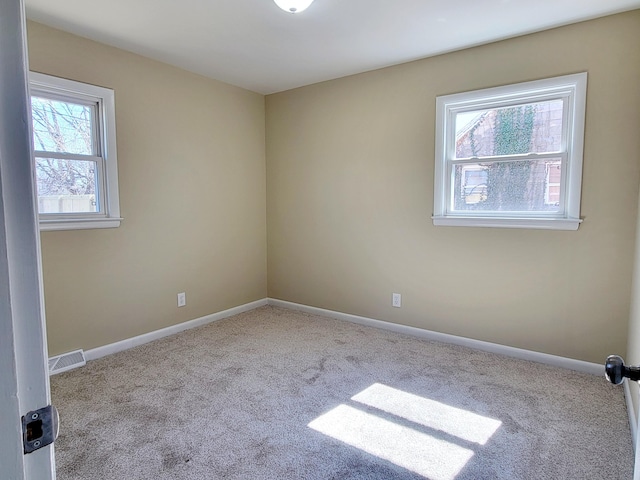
pixel 182 299
pixel 396 300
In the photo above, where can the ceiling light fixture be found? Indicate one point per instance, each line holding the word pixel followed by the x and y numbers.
pixel 293 6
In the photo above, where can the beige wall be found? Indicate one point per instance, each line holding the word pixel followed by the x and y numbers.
pixel 350 194
pixel 191 161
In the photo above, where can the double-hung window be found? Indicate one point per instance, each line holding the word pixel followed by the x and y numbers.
pixel 75 159
pixel 511 156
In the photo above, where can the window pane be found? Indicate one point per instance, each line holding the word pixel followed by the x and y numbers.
pixel 62 127
pixel 529 186
pixel 527 128
pixel 66 186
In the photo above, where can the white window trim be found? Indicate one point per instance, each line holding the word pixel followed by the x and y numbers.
pixel 574 87
pixel 105 97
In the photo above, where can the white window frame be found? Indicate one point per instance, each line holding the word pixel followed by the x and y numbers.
pixel 106 158
pixel 572 89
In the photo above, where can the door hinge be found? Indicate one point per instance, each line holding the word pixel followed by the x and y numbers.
pixel 40 428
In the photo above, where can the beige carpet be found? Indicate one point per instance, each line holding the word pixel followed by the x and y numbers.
pixel 278 394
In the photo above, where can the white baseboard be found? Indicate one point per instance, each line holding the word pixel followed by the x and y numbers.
pixel 164 332
pixel 633 420
pixel 568 363
pixel 557 361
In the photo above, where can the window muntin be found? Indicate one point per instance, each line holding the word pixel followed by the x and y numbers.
pixel 75 160
pixel 511 152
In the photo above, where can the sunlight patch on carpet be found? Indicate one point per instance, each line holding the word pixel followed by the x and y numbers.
pixel 410 448
pixel 429 413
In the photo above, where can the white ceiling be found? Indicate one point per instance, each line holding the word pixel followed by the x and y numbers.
pixel 255 45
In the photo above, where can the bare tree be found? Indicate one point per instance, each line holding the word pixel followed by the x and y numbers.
pixel 63 127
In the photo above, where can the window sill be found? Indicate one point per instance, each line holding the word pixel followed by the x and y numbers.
pixel 495 222
pixel 78 224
